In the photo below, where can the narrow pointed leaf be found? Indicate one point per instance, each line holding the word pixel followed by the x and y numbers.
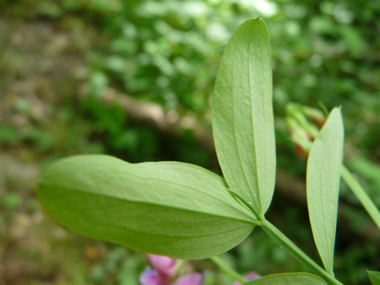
pixel 374 276
pixel 288 279
pixel 362 196
pixel 323 181
pixel 242 120
pixel 166 208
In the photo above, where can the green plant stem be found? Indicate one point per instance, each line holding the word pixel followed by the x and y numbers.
pixel 218 261
pixel 297 253
pixel 359 192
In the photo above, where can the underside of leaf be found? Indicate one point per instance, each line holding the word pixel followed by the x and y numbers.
pixel 300 278
pixel 243 125
pixel 323 182
pixel 167 208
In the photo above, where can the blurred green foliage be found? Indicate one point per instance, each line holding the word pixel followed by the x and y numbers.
pixel 168 52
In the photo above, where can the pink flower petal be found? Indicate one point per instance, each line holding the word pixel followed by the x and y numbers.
pixel 163 264
pixel 250 276
pixel 190 279
pixel 150 277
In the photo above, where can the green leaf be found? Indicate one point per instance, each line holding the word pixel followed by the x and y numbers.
pixel 323 180
pixel 166 208
pixel 242 119
pixel 362 195
pixel 374 276
pixel 288 279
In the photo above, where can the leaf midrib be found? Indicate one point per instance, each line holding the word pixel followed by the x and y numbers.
pixel 72 189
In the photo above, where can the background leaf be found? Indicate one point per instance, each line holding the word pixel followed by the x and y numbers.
pixel 167 208
pixel 374 276
pixel 323 181
pixel 288 279
pixel 243 115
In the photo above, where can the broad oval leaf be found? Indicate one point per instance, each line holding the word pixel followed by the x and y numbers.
pixel 374 276
pixel 323 181
pixel 166 208
pixel 288 279
pixel 242 116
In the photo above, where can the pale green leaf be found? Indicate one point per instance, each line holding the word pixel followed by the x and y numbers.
pixel 374 276
pixel 242 119
pixel 166 208
pixel 323 181
pixel 288 279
